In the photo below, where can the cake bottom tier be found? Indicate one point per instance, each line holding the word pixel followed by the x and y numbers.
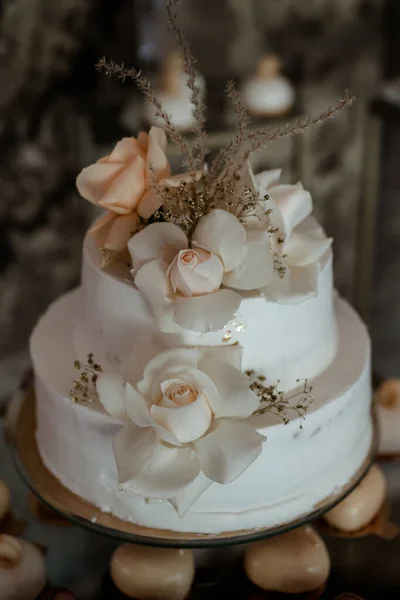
pixel 302 463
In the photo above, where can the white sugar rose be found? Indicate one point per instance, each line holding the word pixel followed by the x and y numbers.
pixel 195 272
pixel 185 419
pixel 298 242
pixel 182 282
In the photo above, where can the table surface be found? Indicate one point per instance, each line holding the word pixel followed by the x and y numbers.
pixel 79 559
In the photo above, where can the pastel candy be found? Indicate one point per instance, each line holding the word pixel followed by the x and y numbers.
pixel 22 569
pixel 152 573
pixel 388 411
pixel 388 394
pixel 361 506
pixel 292 563
pixel 268 92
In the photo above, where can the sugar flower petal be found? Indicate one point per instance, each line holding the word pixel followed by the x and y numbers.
pixel 117 232
pixel 110 388
pixel 195 272
pixel 195 377
pixel 256 267
pixel 303 249
pixel 174 357
pixel 152 281
pixel 224 235
pixel 93 181
pixel 228 449
pixel 230 354
pixel 290 205
pixel 235 398
pixel 136 407
pixel 126 150
pixel 206 313
pixel 101 227
pixel 186 497
pixel 187 423
pixel 297 285
pixel 156 241
pixel 149 203
pixel 266 180
pixel 152 469
pixel 126 189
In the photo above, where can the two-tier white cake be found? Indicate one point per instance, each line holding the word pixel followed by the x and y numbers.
pixel 230 385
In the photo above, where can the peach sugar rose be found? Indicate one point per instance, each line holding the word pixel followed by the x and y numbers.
pixel 121 183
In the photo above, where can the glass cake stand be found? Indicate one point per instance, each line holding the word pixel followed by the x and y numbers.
pixel 58 498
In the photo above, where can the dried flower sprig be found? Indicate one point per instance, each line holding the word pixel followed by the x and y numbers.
pixel 189 63
pixel 247 205
pixel 274 401
pixel 227 156
pixel 261 137
pixel 184 205
pixel 217 185
pixel 108 257
pixel 276 240
pixel 83 388
pixel 123 73
pixel 252 141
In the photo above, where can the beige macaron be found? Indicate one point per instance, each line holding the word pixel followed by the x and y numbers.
pixel 293 563
pixel 153 573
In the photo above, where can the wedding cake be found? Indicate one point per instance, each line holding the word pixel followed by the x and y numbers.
pixel 204 377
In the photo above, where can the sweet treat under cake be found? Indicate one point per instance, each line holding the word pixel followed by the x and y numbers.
pixel 204 377
pixel 268 93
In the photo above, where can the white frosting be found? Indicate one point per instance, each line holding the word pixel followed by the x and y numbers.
pixel 268 97
pixel 296 470
pixel 285 342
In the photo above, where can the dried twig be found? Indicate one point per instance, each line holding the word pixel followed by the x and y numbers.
pixel 84 386
pixel 217 186
pixel 123 73
pixel 198 105
pixel 274 401
pixel 228 155
pixel 261 137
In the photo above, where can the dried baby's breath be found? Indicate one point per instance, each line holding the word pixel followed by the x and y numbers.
pixel 84 386
pixel 274 401
pixel 226 159
pixel 261 137
pixel 184 205
pixel 123 73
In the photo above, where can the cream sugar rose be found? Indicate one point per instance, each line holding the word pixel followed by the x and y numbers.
pixel 186 417
pixel 174 438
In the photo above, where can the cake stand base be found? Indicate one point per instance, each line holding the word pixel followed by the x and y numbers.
pixel 55 496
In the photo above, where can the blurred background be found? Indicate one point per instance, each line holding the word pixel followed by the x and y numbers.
pixel 57 115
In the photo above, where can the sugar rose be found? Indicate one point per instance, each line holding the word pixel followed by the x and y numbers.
pixel 121 183
pixel 298 242
pixel 196 271
pixel 186 417
pixel 186 282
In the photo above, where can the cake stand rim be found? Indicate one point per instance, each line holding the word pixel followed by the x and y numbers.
pixel 145 536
